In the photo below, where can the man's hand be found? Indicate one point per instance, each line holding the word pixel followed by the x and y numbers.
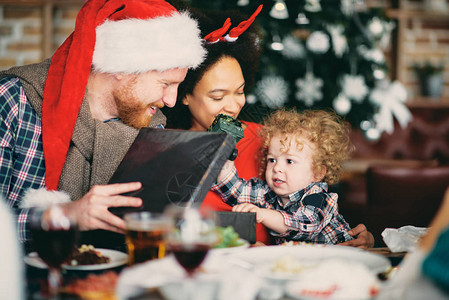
pixel 91 211
pixel 362 238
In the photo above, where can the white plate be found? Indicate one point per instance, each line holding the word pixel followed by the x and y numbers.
pixel 117 259
pixel 335 278
pixel 293 291
pixel 243 244
pixel 262 258
pixel 265 270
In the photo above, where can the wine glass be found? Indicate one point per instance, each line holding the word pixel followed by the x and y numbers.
pixel 193 235
pixel 54 239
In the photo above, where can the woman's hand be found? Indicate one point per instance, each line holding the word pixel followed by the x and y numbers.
pixel 91 211
pixel 362 238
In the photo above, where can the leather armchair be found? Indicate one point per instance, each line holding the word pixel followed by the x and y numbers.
pixel 399 196
pixel 425 140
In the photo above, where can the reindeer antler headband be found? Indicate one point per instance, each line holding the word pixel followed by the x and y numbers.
pixel 218 35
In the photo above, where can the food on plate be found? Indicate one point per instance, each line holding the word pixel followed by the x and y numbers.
pixel 295 243
pixel 336 279
pixel 94 286
pixel 287 265
pixel 228 238
pixel 86 255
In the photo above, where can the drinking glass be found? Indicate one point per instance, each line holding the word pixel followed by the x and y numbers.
pixel 193 235
pixel 145 235
pixel 54 240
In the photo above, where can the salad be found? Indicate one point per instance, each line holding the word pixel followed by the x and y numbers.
pixel 228 238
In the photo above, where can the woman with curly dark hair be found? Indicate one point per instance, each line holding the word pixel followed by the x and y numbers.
pixel 240 57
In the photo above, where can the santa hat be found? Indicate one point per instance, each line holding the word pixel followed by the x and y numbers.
pixel 112 36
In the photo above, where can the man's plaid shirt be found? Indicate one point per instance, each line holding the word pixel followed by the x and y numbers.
pixel 21 156
pixel 312 212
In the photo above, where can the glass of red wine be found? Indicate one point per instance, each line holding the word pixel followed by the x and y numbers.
pixel 193 235
pixel 54 239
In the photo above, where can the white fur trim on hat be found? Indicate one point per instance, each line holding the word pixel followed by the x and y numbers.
pixel 43 198
pixel 138 46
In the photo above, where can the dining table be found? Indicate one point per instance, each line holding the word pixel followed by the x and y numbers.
pixel 225 273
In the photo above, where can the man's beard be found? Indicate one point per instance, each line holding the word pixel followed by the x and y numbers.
pixel 132 112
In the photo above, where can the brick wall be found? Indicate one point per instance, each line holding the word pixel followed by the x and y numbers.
pixel 21 31
pixel 21 38
pixel 20 35
pixel 425 40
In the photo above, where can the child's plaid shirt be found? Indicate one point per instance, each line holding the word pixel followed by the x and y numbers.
pixel 312 212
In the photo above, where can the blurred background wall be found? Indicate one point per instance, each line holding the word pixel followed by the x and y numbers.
pixel 409 34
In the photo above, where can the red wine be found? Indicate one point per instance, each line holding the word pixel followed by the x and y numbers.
pixel 190 256
pixel 54 246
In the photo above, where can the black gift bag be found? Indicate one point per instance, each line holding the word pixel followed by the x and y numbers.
pixel 175 167
pixel 244 223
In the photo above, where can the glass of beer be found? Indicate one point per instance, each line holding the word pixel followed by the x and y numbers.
pixel 145 235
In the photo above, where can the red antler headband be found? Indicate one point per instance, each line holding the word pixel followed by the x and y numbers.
pixel 234 33
pixel 217 35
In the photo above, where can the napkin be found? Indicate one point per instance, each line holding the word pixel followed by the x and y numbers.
pixel 408 283
pixel 402 239
pixel 219 278
pixel 136 279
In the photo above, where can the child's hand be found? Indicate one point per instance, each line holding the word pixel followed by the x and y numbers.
pixel 248 207
pixel 271 218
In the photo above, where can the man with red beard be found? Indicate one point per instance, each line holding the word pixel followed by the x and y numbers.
pixel 66 123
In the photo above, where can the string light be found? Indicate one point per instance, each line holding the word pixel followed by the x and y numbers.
pixel 242 2
pixel 279 10
pixel 276 43
pixel 301 19
pixel 312 5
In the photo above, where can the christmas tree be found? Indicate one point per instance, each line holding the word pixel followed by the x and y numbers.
pixel 323 54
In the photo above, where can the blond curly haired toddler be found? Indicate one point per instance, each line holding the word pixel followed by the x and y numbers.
pixel 301 155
